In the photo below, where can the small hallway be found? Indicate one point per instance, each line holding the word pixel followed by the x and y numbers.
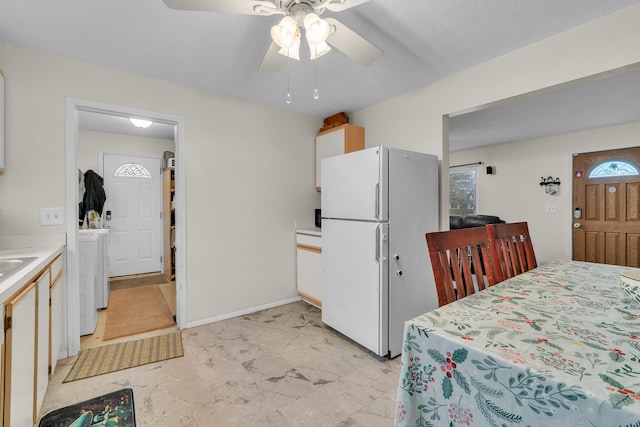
pixel 139 306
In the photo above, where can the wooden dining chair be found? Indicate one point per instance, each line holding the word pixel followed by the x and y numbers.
pixel 461 262
pixel 511 248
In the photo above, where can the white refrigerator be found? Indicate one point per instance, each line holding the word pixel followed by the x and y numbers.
pixel 377 205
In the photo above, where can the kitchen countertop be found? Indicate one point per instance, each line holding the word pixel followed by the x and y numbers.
pixel 315 231
pixel 17 278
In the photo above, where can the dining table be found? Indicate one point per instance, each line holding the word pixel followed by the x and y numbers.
pixel 558 345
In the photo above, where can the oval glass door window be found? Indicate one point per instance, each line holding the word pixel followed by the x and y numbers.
pixel 613 168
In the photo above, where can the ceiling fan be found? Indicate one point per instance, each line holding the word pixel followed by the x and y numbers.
pixel 286 35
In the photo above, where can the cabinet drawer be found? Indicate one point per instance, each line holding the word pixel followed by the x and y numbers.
pixel 306 240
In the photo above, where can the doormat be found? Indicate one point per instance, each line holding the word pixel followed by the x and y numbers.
pixel 115 357
pixel 137 310
pixel 128 282
pixel 113 409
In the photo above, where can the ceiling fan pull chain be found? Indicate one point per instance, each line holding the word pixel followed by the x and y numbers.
pixel 288 98
pixel 316 95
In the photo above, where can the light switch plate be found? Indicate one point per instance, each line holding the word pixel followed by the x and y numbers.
pixel 51 216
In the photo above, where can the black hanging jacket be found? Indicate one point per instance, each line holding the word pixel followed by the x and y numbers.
pixel 94 196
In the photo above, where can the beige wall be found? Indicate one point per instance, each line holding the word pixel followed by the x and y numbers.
pixel 247 181
pixel 514 192
pixel 91 143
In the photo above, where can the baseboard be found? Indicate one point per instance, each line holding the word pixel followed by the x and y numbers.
pixel 241 312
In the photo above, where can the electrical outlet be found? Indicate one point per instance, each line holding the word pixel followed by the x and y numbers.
pixel 551 208
pixel 51 216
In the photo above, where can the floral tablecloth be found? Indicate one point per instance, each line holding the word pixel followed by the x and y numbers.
pixel 556 346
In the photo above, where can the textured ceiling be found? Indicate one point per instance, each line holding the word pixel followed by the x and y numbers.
pixel 422 40
pixel 601 101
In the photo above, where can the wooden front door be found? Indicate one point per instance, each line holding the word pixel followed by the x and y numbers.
pixel 606 209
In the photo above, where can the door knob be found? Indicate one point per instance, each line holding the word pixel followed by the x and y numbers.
pixel 576 225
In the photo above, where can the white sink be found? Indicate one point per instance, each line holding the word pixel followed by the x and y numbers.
pixel 9 265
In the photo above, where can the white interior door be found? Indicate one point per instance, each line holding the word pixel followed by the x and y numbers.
pixel 133 188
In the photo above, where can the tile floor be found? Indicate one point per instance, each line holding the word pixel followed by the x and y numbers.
pixel 278 367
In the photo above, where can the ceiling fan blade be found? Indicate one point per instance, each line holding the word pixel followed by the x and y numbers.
pixel 339 6
pixel 352 44
pixel 245 7
pixel 272 60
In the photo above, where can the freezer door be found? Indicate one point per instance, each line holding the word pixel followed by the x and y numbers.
pixel 354 280
pixel 354 185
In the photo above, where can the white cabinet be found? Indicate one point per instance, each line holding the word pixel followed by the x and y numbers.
pixel 338 140
pixel 33 314
pixel 20 342
pixel 309 265
pixel 27 351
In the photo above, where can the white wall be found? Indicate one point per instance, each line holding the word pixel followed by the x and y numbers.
pixel 91 143
pixel 514 192
pixel 415 120
pixel 247 181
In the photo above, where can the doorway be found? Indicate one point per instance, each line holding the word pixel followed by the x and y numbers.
pixel 73 108
pixel 606 207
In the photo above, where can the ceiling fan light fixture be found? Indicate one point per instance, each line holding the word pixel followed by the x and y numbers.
pixel 284 34
pixel 317 50
pixel 292 51
pixel 316 29
pixel 140 122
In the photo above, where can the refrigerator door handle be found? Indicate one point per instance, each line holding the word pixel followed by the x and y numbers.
pixel 377 200
pixel 378 242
